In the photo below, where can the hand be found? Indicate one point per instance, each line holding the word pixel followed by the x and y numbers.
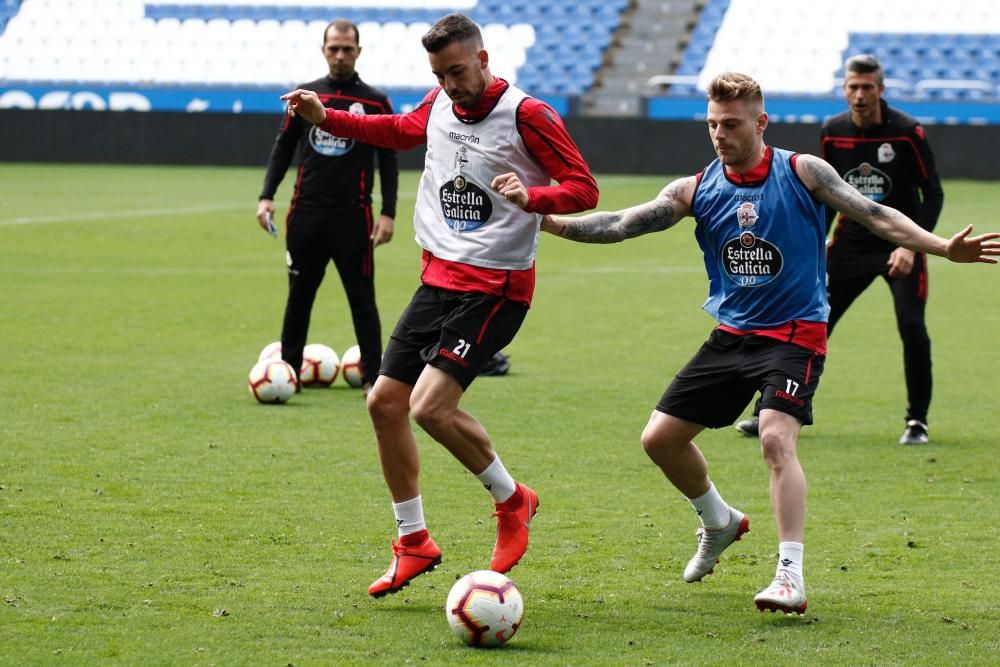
pixel 305 103
pixel 264 206
pixel 900 263
pixel 382 232
pixel 510 186
pixel 963 248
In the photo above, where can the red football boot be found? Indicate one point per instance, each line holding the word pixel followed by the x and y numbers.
pixel 513 521
pixel 412 555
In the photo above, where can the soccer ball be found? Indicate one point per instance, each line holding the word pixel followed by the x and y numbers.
pixel 350 365
pixel 484 608
pixel 271 350
pixel 319 366
pixel 272 381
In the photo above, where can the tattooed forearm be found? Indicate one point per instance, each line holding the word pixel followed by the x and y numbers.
pixel 605 227
pixel 841 195
pixel 594 228
pixel 883 221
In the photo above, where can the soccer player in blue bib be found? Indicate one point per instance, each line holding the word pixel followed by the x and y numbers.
pixel 759 220
pixel 883 153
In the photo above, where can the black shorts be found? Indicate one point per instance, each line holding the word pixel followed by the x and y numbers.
pixel 715 387
pixel 458 332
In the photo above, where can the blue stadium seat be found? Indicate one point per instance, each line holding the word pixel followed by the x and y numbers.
pixel 684 89
pixel 916 57
pixel 575 34
pixel 688 68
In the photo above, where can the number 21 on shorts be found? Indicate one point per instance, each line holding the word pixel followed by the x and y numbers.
pixel 462 348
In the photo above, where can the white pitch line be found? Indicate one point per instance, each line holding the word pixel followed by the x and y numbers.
pixel 110 215
pixel 96 216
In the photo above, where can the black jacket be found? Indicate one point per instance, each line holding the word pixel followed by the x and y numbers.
pixel 890 163
pixel 334 173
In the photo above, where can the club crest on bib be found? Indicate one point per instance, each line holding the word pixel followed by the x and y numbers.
pixel 869 181
pixel 326 144
pixel 747 259
pixel 747 214
pixel 465 205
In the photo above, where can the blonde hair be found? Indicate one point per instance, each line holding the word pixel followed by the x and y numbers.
pixel 732 86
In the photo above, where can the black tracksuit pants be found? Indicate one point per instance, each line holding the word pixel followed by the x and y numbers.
pixel 314 237
pixel 851 269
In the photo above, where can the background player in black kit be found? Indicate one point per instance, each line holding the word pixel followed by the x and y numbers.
pixel 330 215
pixel 884 154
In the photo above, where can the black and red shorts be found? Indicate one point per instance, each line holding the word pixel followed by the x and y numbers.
pixel 719 382
pixel 458 332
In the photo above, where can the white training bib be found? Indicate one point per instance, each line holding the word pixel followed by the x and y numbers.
pixel 458 216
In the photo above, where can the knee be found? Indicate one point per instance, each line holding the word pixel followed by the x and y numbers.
pixel 426 414
pixel 913 330
pixel 652 444
pixel 383 407
pixel 776 448
pixel 911 322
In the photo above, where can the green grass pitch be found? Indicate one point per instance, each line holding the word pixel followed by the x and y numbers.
pixel 152 513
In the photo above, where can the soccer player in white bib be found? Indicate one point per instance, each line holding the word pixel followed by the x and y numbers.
pixel 492 154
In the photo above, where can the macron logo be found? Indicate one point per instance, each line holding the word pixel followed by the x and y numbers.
pixel 470 138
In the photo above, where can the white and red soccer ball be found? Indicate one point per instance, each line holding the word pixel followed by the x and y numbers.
pixel 271 350
pixel 272 381
pixel 320 365
pixel 350 366
pixel 484 608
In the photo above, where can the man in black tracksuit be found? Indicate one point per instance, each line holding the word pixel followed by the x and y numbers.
pixel 330 215
pixel 884 154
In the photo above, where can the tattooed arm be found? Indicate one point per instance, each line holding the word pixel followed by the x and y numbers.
pixel 826 184
pixel 672 204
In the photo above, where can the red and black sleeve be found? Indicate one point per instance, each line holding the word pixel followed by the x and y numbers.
pixel 397 131
pixel 388 173
pixel 932 194
pixel 281 154
pixel 548 141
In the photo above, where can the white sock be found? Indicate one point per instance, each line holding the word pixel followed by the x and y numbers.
pixel 409 516
pixel 790 556
pixel 712 509
pixel 497 481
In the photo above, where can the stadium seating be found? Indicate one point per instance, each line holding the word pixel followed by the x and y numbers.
pixel 929 49
pixel 551 48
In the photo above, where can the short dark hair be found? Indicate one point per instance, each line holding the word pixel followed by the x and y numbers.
pixel 732 86
pixel 865 63
pixel 342 25
pixel 449 29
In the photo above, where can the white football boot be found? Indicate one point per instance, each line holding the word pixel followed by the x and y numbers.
pixel 711 544
pixel 784 594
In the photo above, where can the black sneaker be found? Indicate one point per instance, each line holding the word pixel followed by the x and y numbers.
pixel 499 364
pixel 915 433
pixel 749 427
